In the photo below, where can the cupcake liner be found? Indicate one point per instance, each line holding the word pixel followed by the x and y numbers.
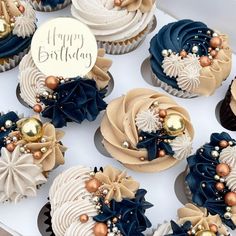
pixel 227 117
pixel 44 221
pixel 13 61
pixel 175 92
pixel 39 7
pixel 117 48
pixel 187 190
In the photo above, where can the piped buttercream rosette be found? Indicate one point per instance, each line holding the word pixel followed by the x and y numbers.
pixel 193 221
pixel 211 177
pixel 29 151
pixel 99 202
pixel 147 131
pixel 65 99
pixel 190 58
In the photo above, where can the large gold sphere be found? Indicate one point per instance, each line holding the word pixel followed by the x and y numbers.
pixel 205 233
pixel 31 129
pixel 5 29
pixel 174 124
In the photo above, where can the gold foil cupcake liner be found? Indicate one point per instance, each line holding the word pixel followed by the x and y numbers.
pixel 12 62
pixel 118 48
pixel 39 7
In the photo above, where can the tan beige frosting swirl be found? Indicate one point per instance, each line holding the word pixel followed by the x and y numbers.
pixel 200 216
pixel 112 178
pixel 211 77
pixel 54 155
pixel 134 5
pixel 118 125
pixel 233 97
pixel 8 9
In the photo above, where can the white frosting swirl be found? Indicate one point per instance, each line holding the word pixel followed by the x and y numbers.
pixel 108 22
pixel 19 176
pixel 69 200
pixel 25 24
pixel 228 156
pixel 32 81
pixel 231 180
pixel 182 146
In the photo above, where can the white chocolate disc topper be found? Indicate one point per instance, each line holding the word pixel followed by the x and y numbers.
pixel 64 47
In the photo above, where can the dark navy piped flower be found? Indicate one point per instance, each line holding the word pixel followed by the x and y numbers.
pixel 129 212
pixel 11 118
pixel 52 3
pixel 180 230
pixel 76 100
pixel 201 178
pixel 155 141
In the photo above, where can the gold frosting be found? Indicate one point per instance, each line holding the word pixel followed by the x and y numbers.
pixel 99 72
pixel 233 97
pixel 54 155
pixel 118 184
pixel 134 5
pixel 118 126
pixel 211 77
pixel 9 9
pixel 200 216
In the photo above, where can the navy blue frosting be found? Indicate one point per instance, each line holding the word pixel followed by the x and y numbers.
pixel 132 220
pixel 177 36
pixel 77 100
pixel 12 116
pixel 13 45
pixel 52 3
pixel 180 230
pixel 154 142
pixel 202 169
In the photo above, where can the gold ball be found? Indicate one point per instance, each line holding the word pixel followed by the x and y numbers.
pixel 10 147
pixel 213 228
pixel 37 108
pixel 205 233
pixel 37 155
pixel 52 82
pixel 83 218
pixel 230 199
pixel 5 29
pixel 31 129
pixel 174 124
pixel 100 229
pixel 222 169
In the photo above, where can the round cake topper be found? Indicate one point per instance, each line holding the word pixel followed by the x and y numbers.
pixel 64 47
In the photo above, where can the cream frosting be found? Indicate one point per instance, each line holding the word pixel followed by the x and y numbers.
pixel 231 180
pixel 134 5
pixel 32 80
pixel 19 175
pixel 69 200
pixel 200 216
pixel 182 146
pixel 119 128
pixel 233 97
pixel 118 184
pixel 110 23
pixel 163 229
pixel 228 156
pixel 25 24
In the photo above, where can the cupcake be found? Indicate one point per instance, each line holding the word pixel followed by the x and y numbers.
pixel 210 180
pixel 188 59
pixel 49 5
pixel 119 25
pixel 29 151
pixel 228 108
pixel 147 131
pixel 17 26
pixel 193 221
pixel 95 203
pixel 61 99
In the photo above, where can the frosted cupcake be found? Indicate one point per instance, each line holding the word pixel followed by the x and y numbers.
pixel 211 177
pixel 17 26
pixel 29 151
pixel 104 202
pixel 147 131
pixel 119 25
pixel 189 59
pixel 49 5
pixel 228 108
pixel 65 99
pixel 193 221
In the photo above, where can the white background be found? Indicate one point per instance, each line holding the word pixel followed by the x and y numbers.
pixel 80 138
